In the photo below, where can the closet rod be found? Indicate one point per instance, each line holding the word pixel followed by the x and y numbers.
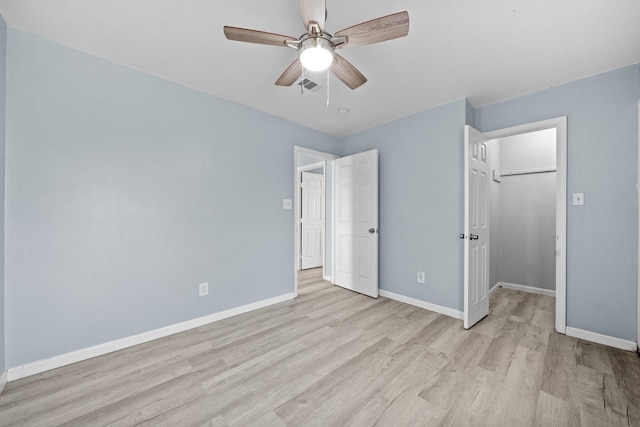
pixel 528 172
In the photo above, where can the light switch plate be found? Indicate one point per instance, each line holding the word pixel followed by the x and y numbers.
pixel 203 289
pixel 578 199
pixel 286 204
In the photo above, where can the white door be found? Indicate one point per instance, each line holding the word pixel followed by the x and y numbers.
pixel 476 227
pixel 312 218
pixel 356 222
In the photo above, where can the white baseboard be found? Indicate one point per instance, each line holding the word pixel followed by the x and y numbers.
pixel 602 339
pixel 3 380
pixel 530 289
pixel 33 368
pixel 495 287
pixel 456 314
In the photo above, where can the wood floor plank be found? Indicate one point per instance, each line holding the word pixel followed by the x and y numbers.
pixel 405 386
pixel 542 319
pixel 269 419
pixel 499 356
pixel 559 365
pixel 554 412
pixel 593 356
pixel 55 409
pixel 146 404
pixel 518 396
pixel 536 338
pixel 626 373
pixel 282 385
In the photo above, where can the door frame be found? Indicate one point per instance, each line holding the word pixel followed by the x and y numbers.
pixel 305 168
pixel 560 124
pixel 638 273
pixel 324 158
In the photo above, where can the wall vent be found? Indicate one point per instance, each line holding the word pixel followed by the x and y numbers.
pixel 310 85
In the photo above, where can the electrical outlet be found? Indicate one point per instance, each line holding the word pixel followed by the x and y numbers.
pixel 578 199
pixel 420 276
pixel 203 289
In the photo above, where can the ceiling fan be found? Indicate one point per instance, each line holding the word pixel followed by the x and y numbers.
pixel 317 48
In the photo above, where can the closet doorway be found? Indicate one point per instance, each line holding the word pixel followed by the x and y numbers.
pixel 522 189
pixel 520 244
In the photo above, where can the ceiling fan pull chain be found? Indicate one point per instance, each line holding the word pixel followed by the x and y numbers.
pixel 327 88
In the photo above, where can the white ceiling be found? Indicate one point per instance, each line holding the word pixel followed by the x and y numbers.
pixel 486 50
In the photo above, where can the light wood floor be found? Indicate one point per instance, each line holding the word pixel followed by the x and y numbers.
pixel 334 358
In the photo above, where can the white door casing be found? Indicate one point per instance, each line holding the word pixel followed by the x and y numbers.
pixel 312 220
pixel 476 227
pixel 356 222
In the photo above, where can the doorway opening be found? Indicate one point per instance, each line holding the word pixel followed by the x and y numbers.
pixel 522 190
pixel 527 174
pixel 312 240
pixel 349 244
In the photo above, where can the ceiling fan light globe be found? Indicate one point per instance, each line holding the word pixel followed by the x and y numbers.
pixel 316 53
pixel 316 58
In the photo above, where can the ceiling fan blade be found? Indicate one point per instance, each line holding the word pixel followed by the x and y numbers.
pixel 347 73
pixel 255 36
pixel 313 11
pixel 290 75
pixel 377 30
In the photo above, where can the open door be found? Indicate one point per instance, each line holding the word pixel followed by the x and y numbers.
pixel 356 222
pixel 476 227
pixel 312 220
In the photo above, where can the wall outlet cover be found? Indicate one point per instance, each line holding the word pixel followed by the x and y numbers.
pixel 420 276
pixel 287 204
pixel 578 199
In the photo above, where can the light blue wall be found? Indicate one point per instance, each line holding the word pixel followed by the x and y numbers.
pixel 421 204
pixel 125 191
pixel 602 163
pixel 3 68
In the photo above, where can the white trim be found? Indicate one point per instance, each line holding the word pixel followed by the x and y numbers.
pixel 327 278
pixel 602 339
pixel 456 314
pixel 638 272
pixel 333 220
pixel 530 289
pixel 33 368
pixel 296 208
pixel 560 124
pixel 494 288
pixel 311 166
pixel 3 380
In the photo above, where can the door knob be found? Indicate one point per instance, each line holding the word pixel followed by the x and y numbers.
pixel 373 230
pixel 473 237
